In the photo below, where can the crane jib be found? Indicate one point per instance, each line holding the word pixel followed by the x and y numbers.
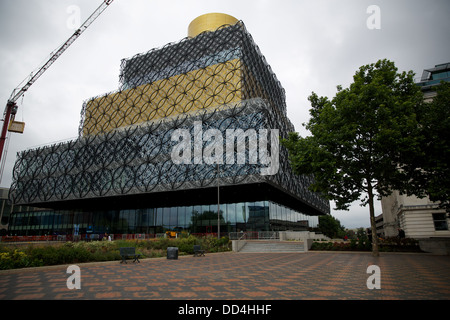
pixel 11 106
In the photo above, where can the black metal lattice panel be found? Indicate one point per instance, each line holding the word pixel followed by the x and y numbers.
pixel 218 79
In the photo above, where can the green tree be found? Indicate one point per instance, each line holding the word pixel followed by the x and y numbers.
pixel 360 139
pixel 433 160
pixel 331 227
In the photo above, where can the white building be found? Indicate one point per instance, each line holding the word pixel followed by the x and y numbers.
pixel 419 218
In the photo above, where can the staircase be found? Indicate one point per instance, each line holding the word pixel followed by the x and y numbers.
pixel 271 246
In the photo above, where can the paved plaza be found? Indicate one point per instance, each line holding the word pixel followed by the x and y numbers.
pixel 241 276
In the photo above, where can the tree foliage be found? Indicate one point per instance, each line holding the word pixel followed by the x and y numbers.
pixel 362 140
pixel 433 160
pixel 331 227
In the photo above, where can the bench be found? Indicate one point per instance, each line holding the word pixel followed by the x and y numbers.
pixel 129 253
pixel 198 252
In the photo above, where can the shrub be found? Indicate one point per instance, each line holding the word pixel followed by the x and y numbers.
pixel 17 259
pixel 217 245
pixel 340 246
pixel 353 244
pixel 321 246
pixel 187 244
pixel 49 255
pixel 78 252
pixel 395 244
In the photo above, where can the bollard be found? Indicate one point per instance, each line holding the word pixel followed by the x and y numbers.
pixel 172 253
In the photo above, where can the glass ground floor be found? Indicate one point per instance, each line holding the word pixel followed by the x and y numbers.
pixel 234 217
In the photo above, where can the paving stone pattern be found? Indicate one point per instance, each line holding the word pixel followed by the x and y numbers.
pixel 246 276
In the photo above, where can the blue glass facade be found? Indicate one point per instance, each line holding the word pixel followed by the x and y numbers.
pixel 234 217
pixel 434 76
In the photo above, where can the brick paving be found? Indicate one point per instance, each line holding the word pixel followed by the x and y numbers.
pixel 240 276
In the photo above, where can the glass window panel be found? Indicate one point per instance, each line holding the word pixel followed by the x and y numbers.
pixel 212 217
pixel 188 219
pixel 110 217
pixel 440 221
pixel 85 219
pixel 260 213
pixel 151 217
pixel 240 212
pixel 205 219
pixel 13 223
pixel 34 220
pixel 252 215
pixel 38 220
pixel 132 221
pixel 222 213
pixel 7 208
pixel 159 217
pixel 173 217
pixel 44 220
pixel 315 222
pixel 272 213
pixel 231 213
pixel 17 220
pixel 23 219
pixel 267 217
pixel 166 217
pixel 240 216
pixel 195 217
pixel 181 222
pixel 57 221
pixel 69 220
pixel 122 223
pixel 141 220
pixel 52 220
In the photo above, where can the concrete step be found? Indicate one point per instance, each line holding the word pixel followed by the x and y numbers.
pixel 272 246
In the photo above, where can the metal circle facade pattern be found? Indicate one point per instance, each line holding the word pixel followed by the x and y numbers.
pixel 219 79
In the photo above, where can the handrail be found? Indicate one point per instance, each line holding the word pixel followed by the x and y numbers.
pixel 254 235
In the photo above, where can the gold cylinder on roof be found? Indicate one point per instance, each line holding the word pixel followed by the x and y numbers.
pixel 209 22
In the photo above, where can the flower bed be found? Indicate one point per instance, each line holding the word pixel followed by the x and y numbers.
pixel 35 255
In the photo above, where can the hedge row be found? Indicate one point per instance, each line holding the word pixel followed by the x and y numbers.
pixel 78 252
pixel 404 245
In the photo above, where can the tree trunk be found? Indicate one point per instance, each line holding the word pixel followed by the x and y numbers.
pixel 375 251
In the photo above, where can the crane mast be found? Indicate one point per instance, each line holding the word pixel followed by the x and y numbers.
pixel 11 106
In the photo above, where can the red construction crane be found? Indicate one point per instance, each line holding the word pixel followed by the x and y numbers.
pixel 11 107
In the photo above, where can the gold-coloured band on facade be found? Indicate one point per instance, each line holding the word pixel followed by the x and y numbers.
pixel 209 22
pixel 205 88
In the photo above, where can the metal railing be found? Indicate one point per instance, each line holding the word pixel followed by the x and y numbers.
pixel 254 235
pixel 75 238
pixel 248 235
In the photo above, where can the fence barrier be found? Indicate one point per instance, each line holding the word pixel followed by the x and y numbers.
pixel 254 235
pixel 248 235
pixel 94 237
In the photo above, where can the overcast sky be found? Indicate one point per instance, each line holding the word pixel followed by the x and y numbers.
pixel 310 45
